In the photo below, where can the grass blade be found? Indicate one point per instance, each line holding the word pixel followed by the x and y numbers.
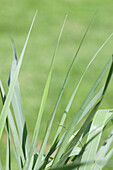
pixel 8 152
pixel 82 111
pixel 65 81
pixel 6 105
pixel 75 90
pixel 17 107
pixel 44 100
pixel 16 141
pixel 97 126
pixel 101 154
pixel 106 159
pixel 36 131
pixel 67 76
pixel 71 128
pixel 68 167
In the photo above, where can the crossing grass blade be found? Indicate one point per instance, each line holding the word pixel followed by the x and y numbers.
pixel 42 106
pixel 75 90
pixel 17 148
pixel 63 87
pixel 87 105
pixel 17 107
pixel 6 105
pixel 105 160
pixel 96 126
pixel 49 127
pixel 110 116
pixel 71 128
pixel 68 167
pixel 103 150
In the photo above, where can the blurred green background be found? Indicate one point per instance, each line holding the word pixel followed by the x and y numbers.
pixel 15 20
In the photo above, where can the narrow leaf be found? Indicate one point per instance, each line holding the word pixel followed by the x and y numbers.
pixel 85 107
pixel 75 90
pixel 18 110
pixel 8 151
pixel 6 105
pixel 71 128
pixel 16 142
pixel 49 127
pixel 42 106
pixel 101 154
pixel 97 126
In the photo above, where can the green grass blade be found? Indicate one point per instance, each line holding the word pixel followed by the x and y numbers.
pixel 8 151
pixel 97 126
pixel 6 105
pixel 51 151
pixel 75 90
pixel 110 116
pixel 89 106
pixel 18 110
pixel 85 107
pixel 75 151
pixel 105 160
pixel 16 141
pixel 65 81
pixel 77 136
pixel 44 97
pixel 71 128
pixel 67 76
pixel 101 154
pixel 71 166
pixel 36 131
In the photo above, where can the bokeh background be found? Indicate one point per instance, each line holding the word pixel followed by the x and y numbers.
pixel 15 20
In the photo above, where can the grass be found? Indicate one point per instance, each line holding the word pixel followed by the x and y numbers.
pixel 40 49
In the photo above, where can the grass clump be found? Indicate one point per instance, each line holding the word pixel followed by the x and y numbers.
pixel 75 149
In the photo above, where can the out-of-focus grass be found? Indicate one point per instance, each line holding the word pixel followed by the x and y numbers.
pixel 15 19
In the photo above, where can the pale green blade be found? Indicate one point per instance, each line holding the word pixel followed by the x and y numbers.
pixel 75 151
pixel 75 90
pixel 66 79
pixel 64 84
pixel 97 126
pixel 101 154
pixel 43 102
pixel 72 126
pixel 50 124
pixel 110 116
pixel 106 159
pixel 71 166
pixel 18 110
pixel 85 107
pixel 6 105
pixel 16 141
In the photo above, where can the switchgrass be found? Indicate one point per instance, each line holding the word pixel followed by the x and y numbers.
pixel 75 149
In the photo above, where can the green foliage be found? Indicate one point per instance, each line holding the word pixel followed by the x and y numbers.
pixel 80 146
